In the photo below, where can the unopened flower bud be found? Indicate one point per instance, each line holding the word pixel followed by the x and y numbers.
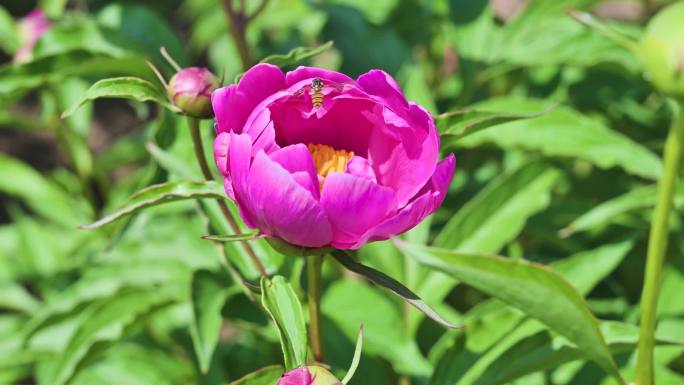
pixel 190 90
pixel 662 50
pixel 308 375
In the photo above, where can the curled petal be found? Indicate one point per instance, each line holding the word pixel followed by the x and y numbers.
pixel 239 162
pixel 233 104
pixel 429 199
pixel 281 207
pixel 221 144
pixel 297 160
pixel 302 73
pixel 354 205
pixel 403 170
pixel 380 84
pixel 360 166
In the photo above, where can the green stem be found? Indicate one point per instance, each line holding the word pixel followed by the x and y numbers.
pixel 206 171
pixel 657 246
pixel 314 266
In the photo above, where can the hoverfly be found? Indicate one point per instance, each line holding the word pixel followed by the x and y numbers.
pixel 317 90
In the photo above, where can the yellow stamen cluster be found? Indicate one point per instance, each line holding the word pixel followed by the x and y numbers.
pixel 328 160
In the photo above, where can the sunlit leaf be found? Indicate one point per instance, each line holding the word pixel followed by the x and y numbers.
pixel 161 193
pixel 285 310
pixel 297 55
pixel 125 88
pixel 538 291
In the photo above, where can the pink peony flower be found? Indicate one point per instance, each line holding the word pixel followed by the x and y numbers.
pixel 308 375
pixel 31 28
pixel 316 158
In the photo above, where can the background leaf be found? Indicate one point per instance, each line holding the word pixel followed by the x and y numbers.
pixel 539 292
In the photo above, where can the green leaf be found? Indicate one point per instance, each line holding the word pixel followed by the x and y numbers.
pixel 604 213
pixel 461 123
pixel 80 33
pixel 538 291
pixel 53 8
pixel 44 197
pixel 125 88
pixel 282 304
pixel 18 78
pixel 297 55
pixel 232 238
pixel 15 297
pixel 389 283
pixel 586 269
pixel 161 193
pixel 9 40
pixel 264 376
pixel 544 351
pixel 494 328
pixel 349 304
pixel 171 163
pixel 145 27
pixel 209 292
pixel 101 283
pixel 107 322
pixel 498 213
pixel 415 87
pixel 357 357
pixel 583 137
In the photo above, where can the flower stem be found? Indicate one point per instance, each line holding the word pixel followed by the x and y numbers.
pixel 657 246
pixel 314 266
pixel 202 160
pixel 237 23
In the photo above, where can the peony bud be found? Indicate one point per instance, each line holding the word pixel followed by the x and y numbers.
pixel 190 90
pixel 308 375
pixel 662 50
pixel 31 28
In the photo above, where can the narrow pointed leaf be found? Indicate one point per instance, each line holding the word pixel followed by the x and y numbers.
pixel 297 55
pixel 459 124
pixel 282 304
pixel 357 357
pixel 158 194
pixel 381 279
pixel 584 137
pixel 233 237
pixel 124 88
pixel 538 291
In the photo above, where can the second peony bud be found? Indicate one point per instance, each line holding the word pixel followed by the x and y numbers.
pixel 190 90
pixel 308 375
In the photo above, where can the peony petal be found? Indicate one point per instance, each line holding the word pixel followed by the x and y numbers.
pixel 345 126
pixel 404 156
pixel 360 166
pixel 298 376
pixel 239 160
pixel 380 84
pixel 297 160
pixel 302 73
pixel 221 144
pixel 233 104
pixel 282 208
pixel 429 199
pixel 354 205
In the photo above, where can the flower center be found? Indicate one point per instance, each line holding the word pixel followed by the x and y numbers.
pixel 328 160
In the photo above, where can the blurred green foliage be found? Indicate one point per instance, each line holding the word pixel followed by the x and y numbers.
pixel 558 155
